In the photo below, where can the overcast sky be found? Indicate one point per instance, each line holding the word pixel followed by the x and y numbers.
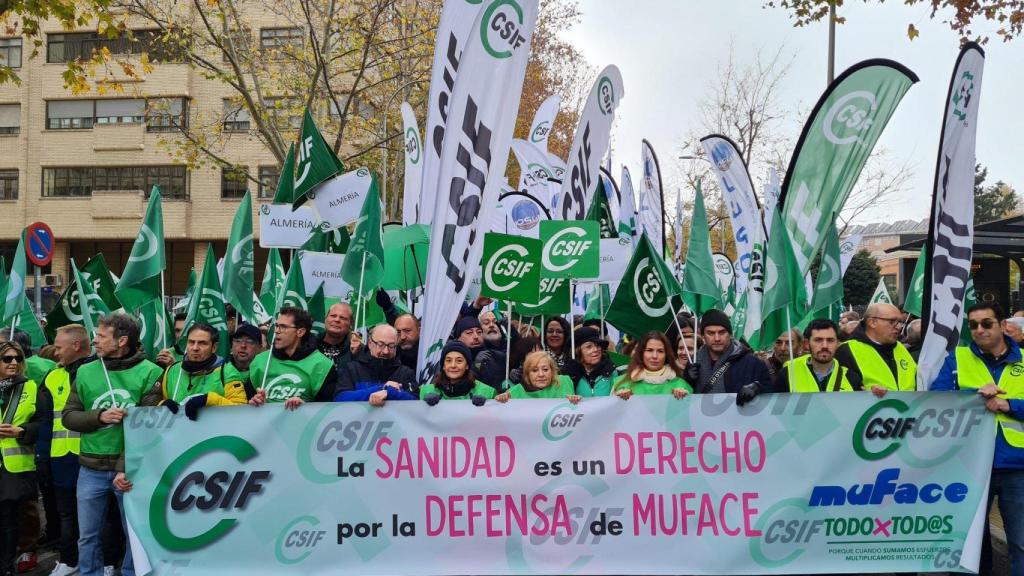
pixel 669 53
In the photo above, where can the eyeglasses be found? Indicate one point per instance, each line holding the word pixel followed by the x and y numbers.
pixel 986 323
pixel 894 322
pixel 286 327
pixel 9 359
pixel 383 345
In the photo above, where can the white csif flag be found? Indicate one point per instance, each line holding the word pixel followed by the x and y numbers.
pixel 478 135
pixel 413 166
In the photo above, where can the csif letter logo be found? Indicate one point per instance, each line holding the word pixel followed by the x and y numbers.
pixel 853 113
pixel 566 250
pixel 500 28
pixel 220 489
pixel 648 287
pixel 504 266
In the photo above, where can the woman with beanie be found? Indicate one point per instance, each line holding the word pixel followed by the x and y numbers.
pixel 652 370
pixel 22 409
pixel 540 380
pixel 593 371
pixel 455 381
pixel 556 340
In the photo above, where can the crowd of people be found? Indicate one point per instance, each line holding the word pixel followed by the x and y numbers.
pixel 62 406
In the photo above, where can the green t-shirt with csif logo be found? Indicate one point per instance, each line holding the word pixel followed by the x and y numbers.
pixel 126 388
pixel 290 378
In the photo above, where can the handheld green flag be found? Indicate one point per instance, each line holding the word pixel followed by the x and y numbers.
pixel 293 292
pixel 156 328
pixel 645 298
pixel 572 249
pixel 140 282
pixel 87 300
pixel 915 292
pixel 331 241
pixel 285 192
pixel 316 161
pixel 207 305
pixel 600 211
pixel 881 294
pixel 14 287
pixel 318 310
pixel 363 268
pixel 554 298
pixel 700 287
pixel 238 262
pixel 785 292
pixel 970 299
pixel 273 280
pixel 97 273
pixel 828 286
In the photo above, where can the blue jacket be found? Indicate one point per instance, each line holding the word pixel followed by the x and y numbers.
pixel 1006 456
pixel 366 375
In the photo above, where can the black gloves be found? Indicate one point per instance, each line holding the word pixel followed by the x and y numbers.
pixel 747 393
pixel 171 405
pixel 479 400
pixel 383 300
pixel 692 373
pixel 432 399
pixel 193 405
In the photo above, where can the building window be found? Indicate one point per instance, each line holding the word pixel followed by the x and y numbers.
pixel 166 114
pixel 76 181
pixel 275 39
pixel 269 175
pixel 233 183
pixel 8 184
pixel 10 118
pixel 121 111
pixel 285 112
pixel 363 109
pixel 236 117
pixel 82 46
pixel 10 52
pixel 70 114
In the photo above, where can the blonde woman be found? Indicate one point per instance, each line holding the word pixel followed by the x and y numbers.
pixel 541 380
pixel 652 370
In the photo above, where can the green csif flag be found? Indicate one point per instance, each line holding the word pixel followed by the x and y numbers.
pixel 881 294
pixel 363 268
pixel 87 298
pixel 156 328
pixel 238 262
pixel 828 287
pixel 330 241
pixel 700 286
pixel 785 292
pixel 915 292
pixel 293 291
pixel 207 305
pixel 644 299
pixel 315 161
pixel 97 273
pixel 836 143
pixel 970 299
pixel 600 211
pixel 273 280
pixel 318 310
pixel 69 308
pixel 140 282
pixel 285 192
pixel 14 285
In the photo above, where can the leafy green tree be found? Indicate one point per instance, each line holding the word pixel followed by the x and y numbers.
pixel 992 202
pixel 861 278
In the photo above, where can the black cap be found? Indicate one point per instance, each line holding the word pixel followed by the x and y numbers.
pixel 715 318
pixel 588 334
pixel 249 331
pixel 466 323
pixel 459 347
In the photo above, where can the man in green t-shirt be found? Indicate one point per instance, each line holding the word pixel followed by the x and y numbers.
pixel 103 392
pixel 293 371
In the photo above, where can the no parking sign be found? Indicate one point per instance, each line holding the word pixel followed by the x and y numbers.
pixel 39 243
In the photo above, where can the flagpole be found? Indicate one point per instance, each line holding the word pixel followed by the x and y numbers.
pixel 508 339
pixel 675 318
pixel 362 301
pixel 789 334
pixel 163 310
pixel 600 306
pixel 572 325
pixel 270 354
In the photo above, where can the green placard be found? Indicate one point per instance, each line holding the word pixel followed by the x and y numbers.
pixel 571 249
pixel 510 270
pixel 555 298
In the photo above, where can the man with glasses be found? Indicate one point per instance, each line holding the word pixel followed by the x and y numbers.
pixel 874 358
pixel 993 367
pixel 246 343
pixel 294 372
pixel 376 374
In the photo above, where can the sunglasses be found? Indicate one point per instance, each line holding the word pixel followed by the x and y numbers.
pixel 987 324
pixel 9 359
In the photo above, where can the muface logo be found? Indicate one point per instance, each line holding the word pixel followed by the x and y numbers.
pixel 221 489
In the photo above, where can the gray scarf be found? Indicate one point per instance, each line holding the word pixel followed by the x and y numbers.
pixel 708 368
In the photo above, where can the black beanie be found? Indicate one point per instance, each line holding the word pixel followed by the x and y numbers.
pixel 466 323
pixel 715 318
pixel 456 346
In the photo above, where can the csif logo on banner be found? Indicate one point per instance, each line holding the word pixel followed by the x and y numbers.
pixel 605 95
pixel 570 249
pixel 500 28
pixel 221 490
pixel 564 249
pixel 510 268
pixel 888 425
pixel 412 146
pixel 851 115
pixel 540 132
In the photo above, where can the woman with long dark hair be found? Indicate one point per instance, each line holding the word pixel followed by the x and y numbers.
pixel 652 370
